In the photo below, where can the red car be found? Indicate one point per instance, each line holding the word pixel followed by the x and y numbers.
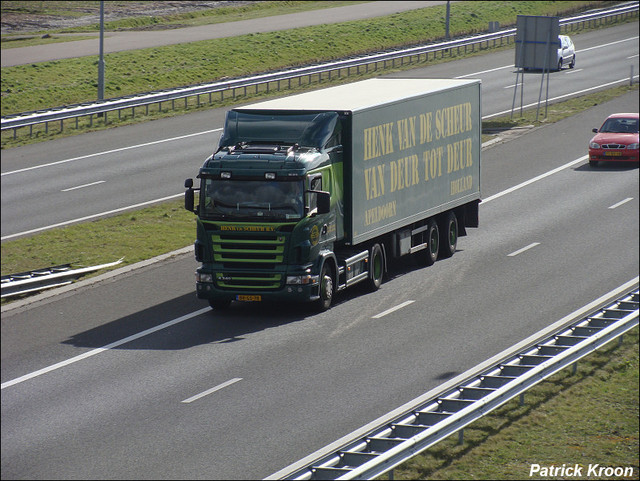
pixel 616 140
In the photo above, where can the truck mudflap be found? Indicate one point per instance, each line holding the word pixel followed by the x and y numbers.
pixel 468 216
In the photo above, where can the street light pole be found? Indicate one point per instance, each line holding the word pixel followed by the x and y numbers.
pixel 446 34
pixel 101 61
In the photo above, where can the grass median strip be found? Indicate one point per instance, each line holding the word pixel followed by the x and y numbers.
pixel 588 419
pixel 146 233
pixel 46 85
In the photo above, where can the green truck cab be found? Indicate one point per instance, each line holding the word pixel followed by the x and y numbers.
pixel 310 194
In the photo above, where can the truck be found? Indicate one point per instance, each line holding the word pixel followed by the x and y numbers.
pixel 312 193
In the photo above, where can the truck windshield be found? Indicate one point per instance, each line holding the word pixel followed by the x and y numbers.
pixel 305 129
pixel 252 199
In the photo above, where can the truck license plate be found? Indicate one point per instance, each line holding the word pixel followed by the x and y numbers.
pixel 248 298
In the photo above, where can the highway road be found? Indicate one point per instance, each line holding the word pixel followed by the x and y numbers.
pixel 133 377
pixel 132 40
pixel 67 180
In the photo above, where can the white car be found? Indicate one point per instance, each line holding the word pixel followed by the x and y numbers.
pixel 566 52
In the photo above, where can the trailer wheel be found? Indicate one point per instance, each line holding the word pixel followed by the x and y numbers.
pixel 448 234
pixel 219 304
pixel 376 267
pixel 326 288
pixel 429 255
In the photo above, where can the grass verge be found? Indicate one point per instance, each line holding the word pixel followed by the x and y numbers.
pixel 45 85
pixel 66 9
pixel 146 233
pixel 584 419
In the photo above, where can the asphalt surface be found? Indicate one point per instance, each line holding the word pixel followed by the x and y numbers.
pixel 119 41
pixel 117 169
pixel 294 380
pixel 302 380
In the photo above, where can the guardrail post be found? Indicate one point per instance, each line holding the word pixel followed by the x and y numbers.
pixel 631 76
pixel 521 399
pixel 461 437
pixel 574 367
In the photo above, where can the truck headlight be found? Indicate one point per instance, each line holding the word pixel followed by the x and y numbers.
pixel 202 277
pixel 302 280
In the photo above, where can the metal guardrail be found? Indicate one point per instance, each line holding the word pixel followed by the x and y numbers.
pixel 48 278
pixel 448 412
pixel 29 119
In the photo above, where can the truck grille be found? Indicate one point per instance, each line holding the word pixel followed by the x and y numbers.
pixel 237 247
pixel 257 256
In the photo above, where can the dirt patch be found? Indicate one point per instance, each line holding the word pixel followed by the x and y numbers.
pixel 20 17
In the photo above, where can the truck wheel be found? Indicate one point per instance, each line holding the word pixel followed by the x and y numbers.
pixel 326 289
pixel 429 255
pixel 219 304
pixel 376 267
pixel 448 234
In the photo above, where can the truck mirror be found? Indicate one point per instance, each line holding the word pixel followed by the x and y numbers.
pixel 324 202
pixel 188 199
pixel 188 183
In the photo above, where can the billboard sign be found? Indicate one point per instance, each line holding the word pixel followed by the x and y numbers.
pixel 537 42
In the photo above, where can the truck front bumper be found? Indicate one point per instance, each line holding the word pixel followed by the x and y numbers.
pixel 298 287
pixel 289 293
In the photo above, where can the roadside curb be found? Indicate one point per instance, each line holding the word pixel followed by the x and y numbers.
pixel 94 280
pixel 505 135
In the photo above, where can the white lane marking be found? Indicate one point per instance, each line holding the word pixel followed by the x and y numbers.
pixel 485 71
pixel 577 51
pixel 389 311
pixel 93 352
pixel 626 79
pixel 520 251
pixel 574 70
pixel 83 186
pixel 109 152
pixel 535 179
pixel 632 56
pixel 621 202
pixel 215 130
pixel 484 201
pixel 607 44
pixel 450 384
pixel 213 389
pixel 81 219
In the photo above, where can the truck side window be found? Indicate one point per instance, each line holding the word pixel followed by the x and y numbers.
pixel 334 140
pixel 315 183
